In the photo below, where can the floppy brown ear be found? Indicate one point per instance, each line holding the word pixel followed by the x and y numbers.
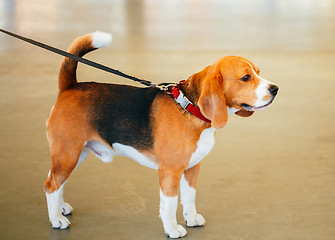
pixel 244 113
pixel 212 101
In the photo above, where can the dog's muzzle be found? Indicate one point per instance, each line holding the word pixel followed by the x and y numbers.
pixel 273 89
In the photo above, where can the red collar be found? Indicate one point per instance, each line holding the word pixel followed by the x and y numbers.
pixel 186 104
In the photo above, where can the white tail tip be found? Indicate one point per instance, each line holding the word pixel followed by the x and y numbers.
pixel 101 39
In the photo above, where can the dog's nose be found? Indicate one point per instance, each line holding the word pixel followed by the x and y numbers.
pixel 273 90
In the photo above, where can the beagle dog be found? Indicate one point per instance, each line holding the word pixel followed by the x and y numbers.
pixel 171 131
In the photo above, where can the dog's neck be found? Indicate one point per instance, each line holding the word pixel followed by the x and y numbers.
pixel 191 91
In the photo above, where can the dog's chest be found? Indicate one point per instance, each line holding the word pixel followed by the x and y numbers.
pixel 204 146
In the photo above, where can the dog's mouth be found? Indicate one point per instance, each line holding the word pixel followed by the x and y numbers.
pixel 247 107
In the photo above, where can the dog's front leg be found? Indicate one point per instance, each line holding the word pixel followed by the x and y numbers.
pixel 169 186
pixel 187 194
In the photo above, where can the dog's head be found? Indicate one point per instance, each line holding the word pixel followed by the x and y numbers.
pixel 232 83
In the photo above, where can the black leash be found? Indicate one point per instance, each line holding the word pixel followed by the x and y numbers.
pixel 80 59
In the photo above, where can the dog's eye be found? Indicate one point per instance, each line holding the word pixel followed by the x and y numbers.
pixel 246 78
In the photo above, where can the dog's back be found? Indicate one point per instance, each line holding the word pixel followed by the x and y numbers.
pixel 120 113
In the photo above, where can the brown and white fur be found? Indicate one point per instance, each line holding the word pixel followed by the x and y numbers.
pixel 147 125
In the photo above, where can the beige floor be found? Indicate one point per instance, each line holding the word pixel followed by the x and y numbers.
pixel 269 177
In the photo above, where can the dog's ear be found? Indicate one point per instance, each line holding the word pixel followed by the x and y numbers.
pixel 244 113
pixel 212 101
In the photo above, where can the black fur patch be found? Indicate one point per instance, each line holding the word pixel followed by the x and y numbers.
pixel 121 113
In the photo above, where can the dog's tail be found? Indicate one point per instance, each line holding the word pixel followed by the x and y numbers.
pixel 67 74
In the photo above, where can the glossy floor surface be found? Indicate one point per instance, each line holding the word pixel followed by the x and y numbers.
pixel 270 176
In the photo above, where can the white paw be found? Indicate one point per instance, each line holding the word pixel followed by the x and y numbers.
pixel 196 221
pixel 60 222
pixel 178 233
pixel 66 209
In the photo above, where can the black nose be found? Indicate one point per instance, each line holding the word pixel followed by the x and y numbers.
pixel 273 90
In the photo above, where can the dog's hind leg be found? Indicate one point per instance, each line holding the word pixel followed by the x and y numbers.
pixel 56 207
pixel 65 158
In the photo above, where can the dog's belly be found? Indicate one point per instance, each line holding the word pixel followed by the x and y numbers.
pixel 132 153
pixel 204 146
pixel 102 151
pixel 106 154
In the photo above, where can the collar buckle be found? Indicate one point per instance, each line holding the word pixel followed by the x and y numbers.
pixel 183 101
pixel 186 104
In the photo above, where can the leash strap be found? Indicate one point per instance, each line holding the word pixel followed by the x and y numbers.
pixel 177 94
pixel 79 59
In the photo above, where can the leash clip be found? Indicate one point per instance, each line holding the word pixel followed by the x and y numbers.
pixel 166 87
